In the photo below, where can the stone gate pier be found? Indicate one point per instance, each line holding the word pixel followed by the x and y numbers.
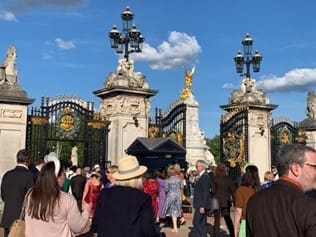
pixel 13 112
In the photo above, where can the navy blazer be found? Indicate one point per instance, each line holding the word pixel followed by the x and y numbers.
pixel 202 192
pixel 14 186
pixel 123 211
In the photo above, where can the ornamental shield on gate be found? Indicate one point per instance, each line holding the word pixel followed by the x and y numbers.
pixel 233 148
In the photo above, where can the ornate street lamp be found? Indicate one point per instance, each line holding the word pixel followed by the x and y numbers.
pixel 248 58
pixel 131 40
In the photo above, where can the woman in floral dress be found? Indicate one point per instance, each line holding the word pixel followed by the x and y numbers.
pixel 172 205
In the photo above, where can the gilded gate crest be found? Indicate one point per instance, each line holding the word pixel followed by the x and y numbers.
pixel 67 125
pixel 233 148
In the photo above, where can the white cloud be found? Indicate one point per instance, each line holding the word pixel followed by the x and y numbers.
pixel 228 86
pixel 180 50
pixel 295 80
pixel 7 16
pixel 64 45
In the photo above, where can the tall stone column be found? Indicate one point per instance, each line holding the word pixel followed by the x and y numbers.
pixel 195 140
pixel 254 141
pixel 13 113
pixel 125 101
pixel 196 148
pixel 259 138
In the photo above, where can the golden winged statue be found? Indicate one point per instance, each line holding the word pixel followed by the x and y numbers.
pixel 188 77
pixel 186 91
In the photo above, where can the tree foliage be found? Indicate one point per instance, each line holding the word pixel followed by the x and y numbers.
pixel 214 145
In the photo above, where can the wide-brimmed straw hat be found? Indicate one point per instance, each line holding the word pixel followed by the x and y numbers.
pixel 128 168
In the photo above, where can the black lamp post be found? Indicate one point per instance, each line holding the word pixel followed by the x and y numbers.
pixel 131 40
pixel 248 58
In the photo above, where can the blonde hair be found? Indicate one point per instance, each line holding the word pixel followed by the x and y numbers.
pixel 136 182
pixel 268 176
pixel 113 168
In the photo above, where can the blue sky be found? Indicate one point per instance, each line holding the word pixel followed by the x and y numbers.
pixel 63 48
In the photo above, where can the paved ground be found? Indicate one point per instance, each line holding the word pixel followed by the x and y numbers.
pixel 185 229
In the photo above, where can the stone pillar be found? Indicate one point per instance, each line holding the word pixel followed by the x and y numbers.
pixel 125 102
pixel 255 130
pixel 128 115
pixel 13 118
pixel 195 140
pixel 259 138
pixel 311 138
pixel 13 112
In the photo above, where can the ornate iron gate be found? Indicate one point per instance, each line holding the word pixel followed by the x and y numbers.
pixel 284 131
pixel 170 124
pixel 70 121
pixel 233 138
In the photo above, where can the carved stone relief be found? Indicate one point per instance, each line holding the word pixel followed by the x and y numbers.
pixel 11 113
pixel 258 118
pixel 124 105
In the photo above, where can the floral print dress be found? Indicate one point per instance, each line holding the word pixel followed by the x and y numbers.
pixel 172 205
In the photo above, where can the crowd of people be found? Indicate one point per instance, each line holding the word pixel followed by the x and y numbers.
pixel 128 199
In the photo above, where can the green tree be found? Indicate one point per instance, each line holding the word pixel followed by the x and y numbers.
pixel 214 145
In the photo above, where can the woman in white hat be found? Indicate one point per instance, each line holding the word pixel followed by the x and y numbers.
pixel 124 209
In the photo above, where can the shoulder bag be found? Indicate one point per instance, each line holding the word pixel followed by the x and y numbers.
pixel 17 228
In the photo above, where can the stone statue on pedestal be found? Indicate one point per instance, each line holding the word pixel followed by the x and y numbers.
pixel 126 76
pixel 74 156
pixel 310 122
pixel 8 71
pixel 9 85
pixel 248 93
pixel 311 105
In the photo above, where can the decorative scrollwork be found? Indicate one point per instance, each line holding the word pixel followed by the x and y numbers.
pixel 97 124
pixel 234 110
pixel 233 148
pixel 153 131
pixel 68 123
pixel 285 135
pixel 39 120
pixel 301 137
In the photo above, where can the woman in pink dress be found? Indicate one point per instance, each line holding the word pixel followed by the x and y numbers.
pixel 51 212
pixel 92 190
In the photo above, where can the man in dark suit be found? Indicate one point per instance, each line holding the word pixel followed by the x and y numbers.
pixel 77 184
pixel 202 199
pixel 284 209
pixel 37 168
pixel 15 184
